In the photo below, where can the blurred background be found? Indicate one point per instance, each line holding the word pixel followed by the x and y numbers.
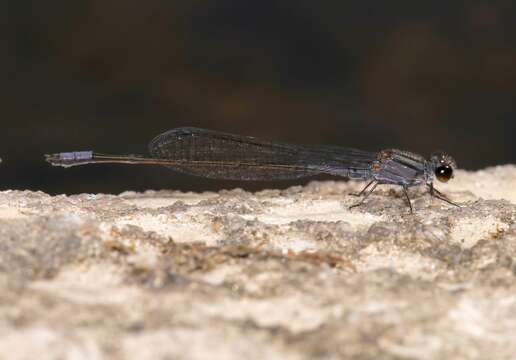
pixel 109 75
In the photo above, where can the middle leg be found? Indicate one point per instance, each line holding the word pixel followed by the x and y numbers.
pixel 405 191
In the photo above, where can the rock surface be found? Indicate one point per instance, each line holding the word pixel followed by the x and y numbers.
pixel 287 274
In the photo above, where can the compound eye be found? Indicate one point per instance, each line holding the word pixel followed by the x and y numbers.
pixel 444 173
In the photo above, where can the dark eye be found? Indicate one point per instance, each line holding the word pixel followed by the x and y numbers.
pixel 444 173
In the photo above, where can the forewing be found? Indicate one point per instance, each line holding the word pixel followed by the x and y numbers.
pixel 220 155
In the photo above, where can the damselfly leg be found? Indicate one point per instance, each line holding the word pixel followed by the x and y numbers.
pixel 439 195
pixel 364 198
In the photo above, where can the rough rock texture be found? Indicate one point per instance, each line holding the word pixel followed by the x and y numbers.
pixel 276 274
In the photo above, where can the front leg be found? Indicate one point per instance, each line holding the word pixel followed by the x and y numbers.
pixel 436 193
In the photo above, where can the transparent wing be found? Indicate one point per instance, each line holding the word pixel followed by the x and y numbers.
pixel 219 155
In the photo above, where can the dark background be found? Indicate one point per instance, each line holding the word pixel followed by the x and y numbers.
pixel 109 75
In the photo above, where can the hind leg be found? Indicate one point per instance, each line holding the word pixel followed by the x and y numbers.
pixel 366 195
pixel 363 190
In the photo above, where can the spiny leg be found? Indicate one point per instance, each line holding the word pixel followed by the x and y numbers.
pixel 366 195
pixel 363 190
pixel 408 199
pixel 437 194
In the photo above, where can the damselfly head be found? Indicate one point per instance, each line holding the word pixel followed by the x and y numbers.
pixel 443 166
